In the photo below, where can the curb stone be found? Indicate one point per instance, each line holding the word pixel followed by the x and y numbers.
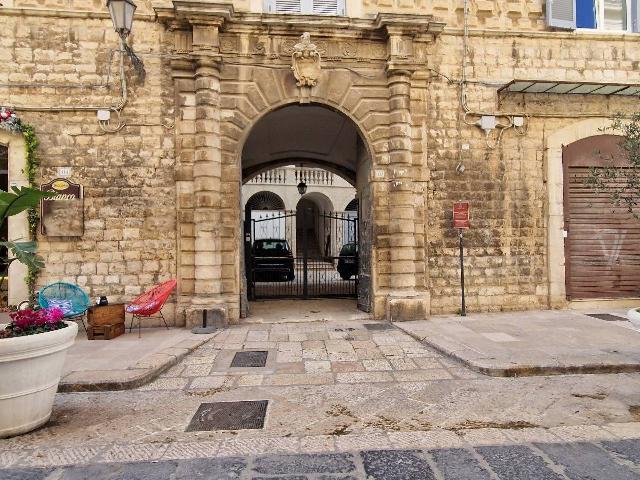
pixel 484 367
pixel 143 372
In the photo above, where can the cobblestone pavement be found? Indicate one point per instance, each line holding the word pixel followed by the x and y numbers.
pixel 331 387
pixel 607 460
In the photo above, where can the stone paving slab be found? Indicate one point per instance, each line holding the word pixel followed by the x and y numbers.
pixel 532 343
pixel 398 394
pixel 148 359
pixel 398 386
pixel 612 460
pixel 436 439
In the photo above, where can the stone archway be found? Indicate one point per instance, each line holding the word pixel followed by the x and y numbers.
pixel 221 95
pixel 18 225
pixel 555 198
pixel 314 204
pixel 315 136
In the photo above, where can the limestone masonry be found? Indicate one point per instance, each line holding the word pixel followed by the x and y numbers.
pixel 162 179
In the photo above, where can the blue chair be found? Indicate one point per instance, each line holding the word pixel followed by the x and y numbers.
pixel 69 298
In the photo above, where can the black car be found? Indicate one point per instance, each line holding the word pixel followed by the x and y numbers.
pixel 348 261
pixel 272 260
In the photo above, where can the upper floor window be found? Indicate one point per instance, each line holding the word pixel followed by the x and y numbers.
pixel 603 14
pixel 610 15
pixel 306 7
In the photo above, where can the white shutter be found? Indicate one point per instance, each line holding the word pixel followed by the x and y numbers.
pixel 288 6
pixel 309 7
pixel 561 14
pixel 325 7
pixel 635 16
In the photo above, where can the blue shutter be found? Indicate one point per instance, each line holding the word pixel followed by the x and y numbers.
pixel 586 14
pixel 561 14
pixel 635 16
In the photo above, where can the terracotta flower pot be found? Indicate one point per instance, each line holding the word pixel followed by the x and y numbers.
pixel 30 369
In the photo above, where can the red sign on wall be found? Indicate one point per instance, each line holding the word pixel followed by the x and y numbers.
pixel 461 215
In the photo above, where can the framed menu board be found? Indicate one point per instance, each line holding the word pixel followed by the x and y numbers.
pixel 62 215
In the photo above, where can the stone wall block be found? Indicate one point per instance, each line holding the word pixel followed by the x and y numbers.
pixel 267 84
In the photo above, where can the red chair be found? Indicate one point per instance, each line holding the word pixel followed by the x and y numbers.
pixel 150 303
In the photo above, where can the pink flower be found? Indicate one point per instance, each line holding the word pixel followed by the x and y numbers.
pixel 24 319
pixel 53 315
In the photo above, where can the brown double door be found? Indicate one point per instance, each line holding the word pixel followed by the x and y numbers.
pixel 602 244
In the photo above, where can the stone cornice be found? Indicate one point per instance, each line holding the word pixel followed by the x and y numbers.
pixel 407 24
pixel 189 12
pixel 195 12
pixel 61 13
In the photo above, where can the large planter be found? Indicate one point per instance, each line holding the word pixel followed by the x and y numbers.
pixel 30 369
pixel 634 316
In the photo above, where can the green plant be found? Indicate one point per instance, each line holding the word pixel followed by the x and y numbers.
pixel 12 203
pixel 11 122
pixel 622 183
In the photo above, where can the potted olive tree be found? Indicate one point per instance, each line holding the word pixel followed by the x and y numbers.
pixel 33 344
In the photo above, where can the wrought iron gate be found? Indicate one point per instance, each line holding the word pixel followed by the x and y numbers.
pixel 304 254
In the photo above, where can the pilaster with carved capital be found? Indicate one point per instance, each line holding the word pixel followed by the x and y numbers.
pixel 206 181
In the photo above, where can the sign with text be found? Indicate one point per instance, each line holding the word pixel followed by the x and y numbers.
pixel 63 214
pixel 461 215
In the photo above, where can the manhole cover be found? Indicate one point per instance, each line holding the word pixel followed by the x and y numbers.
pixel 607 316
pixel 249 359
pixel 229 416
pixel 378 326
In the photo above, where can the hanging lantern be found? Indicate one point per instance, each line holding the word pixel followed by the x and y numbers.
pixel 302 188
pixel 121 12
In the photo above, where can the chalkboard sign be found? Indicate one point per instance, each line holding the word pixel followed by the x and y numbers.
pixel 63 214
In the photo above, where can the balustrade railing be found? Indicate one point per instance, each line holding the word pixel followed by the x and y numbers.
pixel 275 176
pixel 313 176
pixel 293 176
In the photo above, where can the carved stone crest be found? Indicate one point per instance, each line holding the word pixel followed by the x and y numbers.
pixel 306 62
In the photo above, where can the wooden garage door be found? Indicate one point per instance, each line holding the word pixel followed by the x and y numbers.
pixel 602 248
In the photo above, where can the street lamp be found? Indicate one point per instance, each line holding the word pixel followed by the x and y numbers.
pixel 302 188
pixel 121 12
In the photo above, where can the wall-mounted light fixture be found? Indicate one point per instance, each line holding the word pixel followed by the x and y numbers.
pixel 121 12
pixel 302 188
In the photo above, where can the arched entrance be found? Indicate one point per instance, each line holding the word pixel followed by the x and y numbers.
pixel 313 224
pixel 329 252
pixel 601 246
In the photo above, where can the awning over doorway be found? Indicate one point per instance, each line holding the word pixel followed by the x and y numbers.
pixel 582 88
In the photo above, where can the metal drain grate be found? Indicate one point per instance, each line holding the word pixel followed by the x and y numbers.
pixel 249 359
pixel 229 416
pixel 378 326
pixel 607 317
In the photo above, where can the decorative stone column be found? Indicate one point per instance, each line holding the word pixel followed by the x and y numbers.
pixel 407 300
pixel 207 166
pixel 401 204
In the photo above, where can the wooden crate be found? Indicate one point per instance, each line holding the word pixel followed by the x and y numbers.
pixel 106 314
pixel 105 332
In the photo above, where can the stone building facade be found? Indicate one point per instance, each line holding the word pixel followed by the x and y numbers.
pixel 408 79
